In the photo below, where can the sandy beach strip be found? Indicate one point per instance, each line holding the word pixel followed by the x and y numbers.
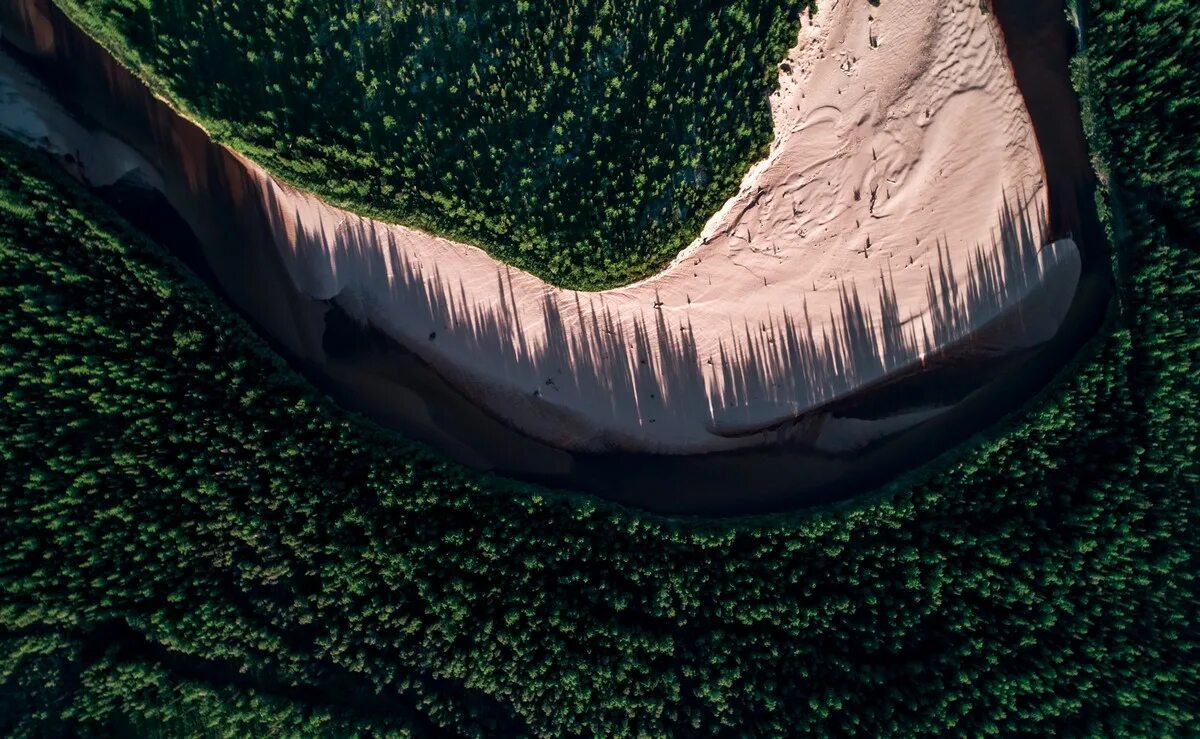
pixel 901 209
pixel 900 214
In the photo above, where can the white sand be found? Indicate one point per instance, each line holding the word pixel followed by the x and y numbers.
pixel 920 146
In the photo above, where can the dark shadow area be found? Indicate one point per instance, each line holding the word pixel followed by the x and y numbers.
pixel 1040 44
pixel 653 373
pixel 340 689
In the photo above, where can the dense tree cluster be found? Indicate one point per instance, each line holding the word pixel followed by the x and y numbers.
pixel 584 140
pixel 191 539
pixel 1149 81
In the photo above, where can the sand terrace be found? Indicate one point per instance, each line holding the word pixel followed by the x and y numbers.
pixel 899 215
pixel 215 210
pixel 901 209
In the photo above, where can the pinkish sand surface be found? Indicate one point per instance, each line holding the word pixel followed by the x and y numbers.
pixel 900 212
pixel 899 215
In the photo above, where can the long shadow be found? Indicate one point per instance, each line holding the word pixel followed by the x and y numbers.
pixel 631 364
pixel 584 353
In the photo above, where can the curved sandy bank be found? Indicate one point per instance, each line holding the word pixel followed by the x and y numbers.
pixel 209 212
pixel 900 211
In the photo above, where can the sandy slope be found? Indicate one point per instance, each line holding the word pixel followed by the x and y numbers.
pixel 47 126
pixel 900 211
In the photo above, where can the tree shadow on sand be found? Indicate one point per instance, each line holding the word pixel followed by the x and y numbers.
pixel 644 366
pixel 636 370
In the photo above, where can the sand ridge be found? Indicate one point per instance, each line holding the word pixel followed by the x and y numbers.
pixel 900 211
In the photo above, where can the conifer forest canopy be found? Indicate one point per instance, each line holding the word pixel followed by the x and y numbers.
pixel 586 141
pixel 195 541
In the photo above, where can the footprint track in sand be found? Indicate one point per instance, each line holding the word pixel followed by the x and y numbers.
pixel 933 131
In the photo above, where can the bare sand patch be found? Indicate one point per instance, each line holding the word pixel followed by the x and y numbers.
pixel 902 209
pixel 900 214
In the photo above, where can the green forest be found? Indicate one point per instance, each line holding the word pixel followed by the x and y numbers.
pixel 586 141
pixel 193 542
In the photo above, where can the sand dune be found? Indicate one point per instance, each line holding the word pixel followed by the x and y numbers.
pixel 900 211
